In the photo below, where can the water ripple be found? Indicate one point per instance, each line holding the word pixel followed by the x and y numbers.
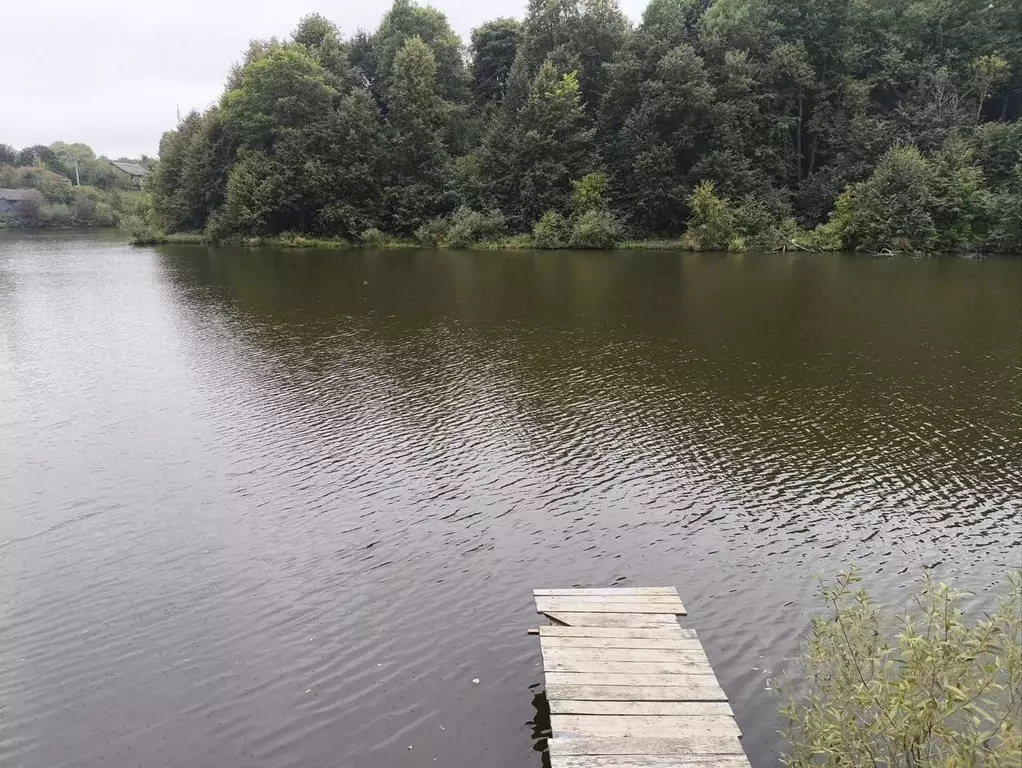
pixel 283 509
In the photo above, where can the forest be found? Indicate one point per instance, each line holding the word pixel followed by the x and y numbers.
pixel 711 124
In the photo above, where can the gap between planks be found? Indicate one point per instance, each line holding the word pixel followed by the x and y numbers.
pixel 606 591
pixel 618 620
pixel 711 691
pixel 624 679
pixel 656 653
pixel 576 666
pixel 644 725
pixel 671 631
pixel 626 708
pixel 569 605
pixel 610 645
pixel 613 599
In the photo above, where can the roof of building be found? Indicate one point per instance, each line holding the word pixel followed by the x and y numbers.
pixel 16 195
pixel 132 169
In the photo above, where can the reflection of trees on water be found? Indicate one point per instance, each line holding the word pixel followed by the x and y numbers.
pixel 754 370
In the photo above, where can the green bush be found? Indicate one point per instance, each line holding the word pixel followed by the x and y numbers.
pixel 84 210
pixel 1004 211
pixel 596 229
pixel 997 148
pixel 831 236
pixel 218 226
pixel 432 233
pixel 468 227
pixel 590 193
pixel 925 690
pixel 894 208
pixel 373 238
pixel 142 232
pixel 59 215
pixel 550 232
pixel 30 210
pixel 712 222
pixel 960 197
pixel 104 216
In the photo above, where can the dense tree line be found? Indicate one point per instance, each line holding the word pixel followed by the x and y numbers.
pixel 740 123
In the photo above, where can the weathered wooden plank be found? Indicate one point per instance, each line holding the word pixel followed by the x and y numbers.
pixel 677 708
pixel 670 631
pixel 613 644
pixel 555 652
pixel 652 761
pixel 570 605
pixel 668 725
pixel 627 667
pixel 710 691
pixel 606 591
pixel 645 681
pixel 611 599
pixel 690 742
pixel 621 620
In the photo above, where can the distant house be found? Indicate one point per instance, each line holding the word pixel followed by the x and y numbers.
pixel 9 198
pixel 137 173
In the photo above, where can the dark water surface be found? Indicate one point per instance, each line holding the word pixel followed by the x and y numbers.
pixel 267 508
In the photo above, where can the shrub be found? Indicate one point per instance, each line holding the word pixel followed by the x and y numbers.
pixel 596 229
pixel 893 209
pixel 960 197
pixel 1004 210
pixel 104 216
pixel 432 233
pixel 831 236
pixel 712 224
pixel 550 232
pixel 997 148
pixel 218 226
pixel 468 227
pixel 373 238
pixel 55 188
pixel 85 210
pixel 142 231
pixel 59 215
pixel 30 210
pixel 921 691
pixel 590 193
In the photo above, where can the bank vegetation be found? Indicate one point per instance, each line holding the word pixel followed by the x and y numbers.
pixel 731 124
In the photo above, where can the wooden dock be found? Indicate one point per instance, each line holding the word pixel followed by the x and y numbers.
pixel 628 687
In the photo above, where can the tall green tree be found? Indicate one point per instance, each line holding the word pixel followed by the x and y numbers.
pixel 533 157
pixel 494 46
pixel 404 21
pixel 417 154
pixel 319 37
pixel 280 114
pixel 576 35
pixel 351 176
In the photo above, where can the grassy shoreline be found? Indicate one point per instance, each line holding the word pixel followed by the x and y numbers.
pixel 515 243
pixel 519 243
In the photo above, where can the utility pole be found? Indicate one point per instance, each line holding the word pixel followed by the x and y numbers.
pixel 179 114
pixel 77 180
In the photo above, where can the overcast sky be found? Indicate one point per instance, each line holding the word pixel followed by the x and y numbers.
pixel 111 73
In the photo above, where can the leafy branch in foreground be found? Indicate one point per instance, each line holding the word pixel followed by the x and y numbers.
pixel 923 690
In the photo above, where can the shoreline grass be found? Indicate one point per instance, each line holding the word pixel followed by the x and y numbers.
pixel 511 243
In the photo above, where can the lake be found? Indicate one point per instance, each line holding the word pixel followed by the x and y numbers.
pixel 281 508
